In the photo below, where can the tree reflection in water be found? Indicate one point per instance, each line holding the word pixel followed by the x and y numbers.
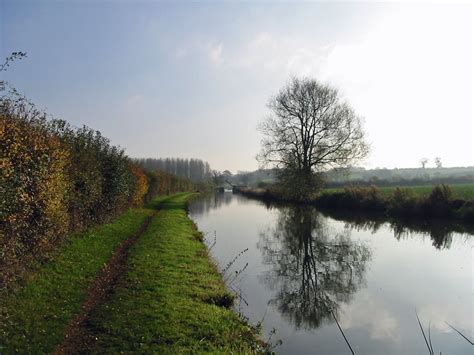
pixel 206 203
pixel 440 231
pixel 313 270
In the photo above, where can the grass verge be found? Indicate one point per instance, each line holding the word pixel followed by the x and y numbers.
pixel 33 318
pixel 170 299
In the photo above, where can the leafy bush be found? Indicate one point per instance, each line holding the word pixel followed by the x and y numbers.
pixel 34 185
pixel 403 201
pixel 363 197
pixel 441 194
pixel 438 203
pixel 56 179
pixel 466 212
pixel 141 185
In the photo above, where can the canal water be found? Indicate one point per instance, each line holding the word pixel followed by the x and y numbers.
pixel 301 273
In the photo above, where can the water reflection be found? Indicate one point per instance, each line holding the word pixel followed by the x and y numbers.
pixel 440 231
pixel 372 271
pixel 205 203
pixel 313 270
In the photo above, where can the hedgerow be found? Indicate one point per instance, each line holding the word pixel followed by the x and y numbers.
pixel 56 179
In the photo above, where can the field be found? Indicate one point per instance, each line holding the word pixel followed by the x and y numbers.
pixel 460 191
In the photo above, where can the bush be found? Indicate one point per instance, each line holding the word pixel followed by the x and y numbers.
pixel 441 194
pixel 438 202
pixel 141 185
pixel 34 185
pixel 363 197
pixel 403 202
pixel 466 212
pixel 84 173
pixel 56 179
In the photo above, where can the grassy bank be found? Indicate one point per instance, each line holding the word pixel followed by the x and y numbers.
pixel 171 298
pixel 440 201
pixel 33 318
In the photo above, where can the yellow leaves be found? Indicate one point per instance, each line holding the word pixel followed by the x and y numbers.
pixel 33 183
pixel 52 182
pixel 141 185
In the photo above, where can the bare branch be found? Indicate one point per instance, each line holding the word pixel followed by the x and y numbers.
pixel 310 129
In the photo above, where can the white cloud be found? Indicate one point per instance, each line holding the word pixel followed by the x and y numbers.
pixel 381 323
pixel 439 315
pixel 215 53
pixel 280 55
pixel 181 52
pixel 209 49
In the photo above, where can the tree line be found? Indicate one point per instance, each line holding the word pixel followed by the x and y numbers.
pixel 193 169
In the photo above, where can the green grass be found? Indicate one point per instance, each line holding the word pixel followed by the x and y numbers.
pixel 460 191
pixel 165 302
pixel 33 318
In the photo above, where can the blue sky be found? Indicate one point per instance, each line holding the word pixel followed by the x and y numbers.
pixel 193 79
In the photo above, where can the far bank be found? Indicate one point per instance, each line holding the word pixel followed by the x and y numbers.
pixel 439 202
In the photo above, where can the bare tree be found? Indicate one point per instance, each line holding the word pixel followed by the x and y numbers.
pixel 438 162
pixel 423 162
pixel 309 130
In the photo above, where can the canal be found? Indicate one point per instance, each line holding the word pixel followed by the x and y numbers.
pixel 302 272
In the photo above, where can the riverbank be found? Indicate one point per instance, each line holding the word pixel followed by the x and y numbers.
pixel 401 202
pixel 169 297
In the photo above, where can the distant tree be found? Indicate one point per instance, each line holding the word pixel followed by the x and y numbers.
pixel 309 130
pixel 438 162
pixel 216 177
pixel 245 178
pixel 193 169
pixel 423 162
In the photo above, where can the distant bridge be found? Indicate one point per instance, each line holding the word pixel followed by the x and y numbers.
pixel 234 188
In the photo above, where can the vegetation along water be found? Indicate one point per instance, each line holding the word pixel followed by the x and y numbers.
pixel 309 272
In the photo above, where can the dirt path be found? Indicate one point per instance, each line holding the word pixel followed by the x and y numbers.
pixel 78 338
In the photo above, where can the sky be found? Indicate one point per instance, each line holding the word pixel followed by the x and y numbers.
pixel 193 79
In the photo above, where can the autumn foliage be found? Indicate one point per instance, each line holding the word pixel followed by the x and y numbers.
pixel 56 179
pixel 34 185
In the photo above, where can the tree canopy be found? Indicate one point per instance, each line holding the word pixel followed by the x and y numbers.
pixel 311 129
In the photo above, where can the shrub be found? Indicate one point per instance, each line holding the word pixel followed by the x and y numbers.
pixel 438 202
pixel 466 212
pixel 141 185
pixel 440 194
pixel 56 179
pixel 84 173
pixel 34 185
pixel 403 201
pixel 363 197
